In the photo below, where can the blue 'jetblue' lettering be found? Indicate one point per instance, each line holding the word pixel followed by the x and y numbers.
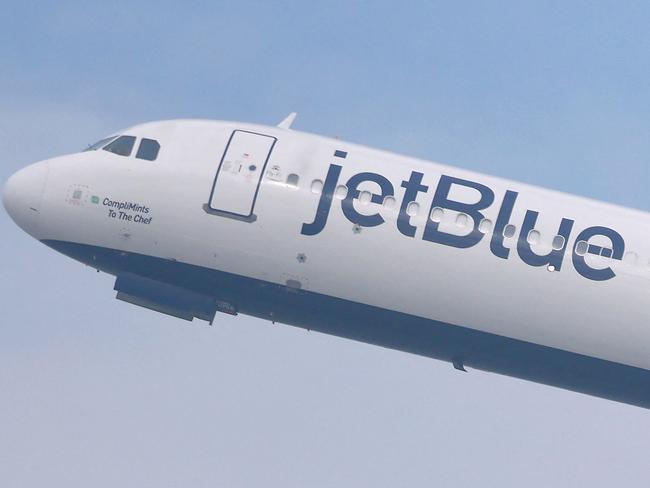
pixel 353 193
pixel 441 199
pixel 555 256
pixel 618 248
pixel 325 203
pixel 503 219
pixel 412 187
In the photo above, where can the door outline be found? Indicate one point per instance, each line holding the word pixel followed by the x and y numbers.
pixel 251 217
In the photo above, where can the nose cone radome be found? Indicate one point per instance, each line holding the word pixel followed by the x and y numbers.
pixel 23 196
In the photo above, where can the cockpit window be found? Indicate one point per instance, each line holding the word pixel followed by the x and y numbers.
pixel 100 144
pixel 122 146
pixel 148 150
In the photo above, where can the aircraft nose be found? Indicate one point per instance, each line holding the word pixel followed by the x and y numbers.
pixel 23 195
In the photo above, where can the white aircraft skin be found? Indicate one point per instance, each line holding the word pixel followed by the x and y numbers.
pixel 265 221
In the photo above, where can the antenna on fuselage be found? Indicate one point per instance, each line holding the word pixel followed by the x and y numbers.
pixel 286 123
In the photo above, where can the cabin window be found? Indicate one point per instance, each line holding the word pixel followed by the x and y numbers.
pixel 365 197
pixel 594 249
pixel 437 214
pixel 100 144
pixel 317 187
pixel 341 192
pixel 413 209
pixel 122 146
pixel 558 243
pixel 581 248
pixel 389 202
pixel 533 237
pixel 148 150
pixel 292 180
pixel 485 226
pixel 509 230
pixel 462 220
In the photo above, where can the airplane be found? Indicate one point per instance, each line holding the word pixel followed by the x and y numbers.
pixel 199 217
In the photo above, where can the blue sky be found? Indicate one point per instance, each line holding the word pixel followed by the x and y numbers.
pixel 94 392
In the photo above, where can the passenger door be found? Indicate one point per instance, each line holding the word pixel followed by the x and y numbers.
pixel 239 175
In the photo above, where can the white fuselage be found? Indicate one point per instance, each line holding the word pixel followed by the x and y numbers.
pixel 398 234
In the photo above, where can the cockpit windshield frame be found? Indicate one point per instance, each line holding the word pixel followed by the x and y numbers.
pixel 122 146
pixel 101 143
